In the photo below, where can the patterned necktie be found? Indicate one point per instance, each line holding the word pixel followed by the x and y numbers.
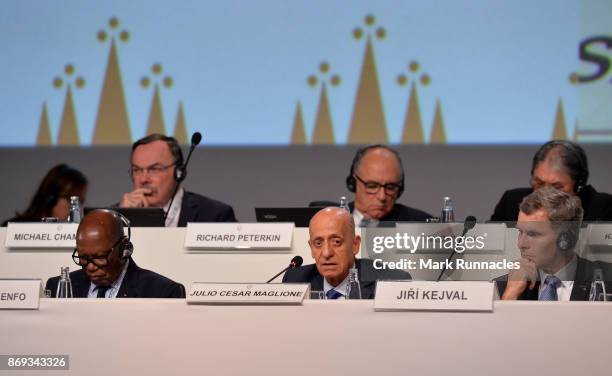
pixel 102 291
pixel 549 293
pixel 333 294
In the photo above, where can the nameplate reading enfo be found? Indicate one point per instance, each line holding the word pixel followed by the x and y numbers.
pixel 247 293
pixel 434 296
pixel 20 293
pixel 239 235
pixel 41 235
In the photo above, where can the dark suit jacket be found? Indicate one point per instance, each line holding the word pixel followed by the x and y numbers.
pixel 365 267
pixel 582 282
pixel 597 206
pixel 399 213
pixel 137 283
pixel 198 208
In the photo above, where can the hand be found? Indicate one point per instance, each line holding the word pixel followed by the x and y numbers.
pixel 520 279
pixel 136 199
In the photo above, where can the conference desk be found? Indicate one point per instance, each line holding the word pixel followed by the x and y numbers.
pixel 169 337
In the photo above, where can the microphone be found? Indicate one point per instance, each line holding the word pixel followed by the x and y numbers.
pixel 181 171
pixel 295 262
pixel 468 224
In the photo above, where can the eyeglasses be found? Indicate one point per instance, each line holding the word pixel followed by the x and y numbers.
pixel 373 187
pixel 98 261
pixel 153 170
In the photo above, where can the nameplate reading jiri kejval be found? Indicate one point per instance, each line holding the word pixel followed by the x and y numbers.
pixel 20 293
pixel 247 293
pixel 239 235
pixel 41 235
pixel 434 296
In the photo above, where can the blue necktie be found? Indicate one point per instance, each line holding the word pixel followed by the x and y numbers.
pixel 333 294
pixel 102 291
pixel 550 289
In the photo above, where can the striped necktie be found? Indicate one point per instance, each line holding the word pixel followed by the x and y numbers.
pixel 549 293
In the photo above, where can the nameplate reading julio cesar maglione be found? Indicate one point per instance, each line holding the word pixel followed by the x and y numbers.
pixel 434 296
pixel 246 293
pixel 239 235
pixel 41 235
pixel 20 293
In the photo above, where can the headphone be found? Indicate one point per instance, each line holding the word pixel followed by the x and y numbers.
pixel 351 182
pixel 126 248
pixel 179 172
pixel 579 155
pixel 567 239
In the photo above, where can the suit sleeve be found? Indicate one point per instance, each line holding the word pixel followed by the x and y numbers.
pixel 227 215
pixel 52 285
pixel 499 214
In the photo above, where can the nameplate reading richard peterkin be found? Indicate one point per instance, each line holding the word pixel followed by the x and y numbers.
pixel 247 293
pixel 434 296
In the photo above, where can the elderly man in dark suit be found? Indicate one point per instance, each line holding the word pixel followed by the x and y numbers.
pixel 156 169
pixel 104 253
pixel 334 245
pixel 562 165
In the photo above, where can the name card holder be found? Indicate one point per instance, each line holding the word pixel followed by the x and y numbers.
pixel 239 236
pixel 41 235
pixel 20 293
pixel 434 296
pixel 247 293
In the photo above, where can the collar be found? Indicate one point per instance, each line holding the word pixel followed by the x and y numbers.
pixel 114 287
pixel 174 212
pixel 359 218
pixel 567 273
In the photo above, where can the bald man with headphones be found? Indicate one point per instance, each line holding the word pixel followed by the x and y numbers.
pixel 104 254
pixel 562 165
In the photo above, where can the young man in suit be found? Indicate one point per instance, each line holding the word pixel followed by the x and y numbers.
pixel 549 269
pixel 156 169
pixel 334 245
pixel 104 253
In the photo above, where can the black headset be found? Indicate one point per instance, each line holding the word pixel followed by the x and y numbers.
pixel 126 248
pixel 567 239
pixel 579 154
pixel 351 182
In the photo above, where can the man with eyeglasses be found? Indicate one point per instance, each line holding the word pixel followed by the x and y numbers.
pixel 156 169
pixel 562 165
pixel 377 179
pixel 103 251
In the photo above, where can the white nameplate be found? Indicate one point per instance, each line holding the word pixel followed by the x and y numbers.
pixel 434 296
pixel 247 293
pixel 41 235
pixel 599 237
pixel 239 235
pixel 20 293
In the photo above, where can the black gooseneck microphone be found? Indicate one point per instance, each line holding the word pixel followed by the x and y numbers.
pixel 295 262
pixel 468 224
pixel 181 172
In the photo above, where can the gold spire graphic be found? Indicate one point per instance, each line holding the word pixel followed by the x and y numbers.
pixel 69 128
pixel 155 124
pixel 324 129
pixel 298 134
pixel 180 127
pixel 413 126
pixel 368 123
pixel 112 124
pixel 44 130
pixel 438 135
pixel 559 130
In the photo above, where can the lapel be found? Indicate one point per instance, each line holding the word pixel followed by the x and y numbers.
pixel 188 209
pixel 129 285
pixel 582 280
pixel 80 284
